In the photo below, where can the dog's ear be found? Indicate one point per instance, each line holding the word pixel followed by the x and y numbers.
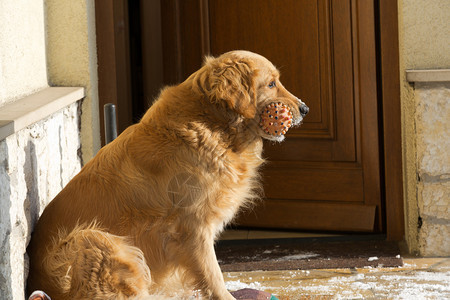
pixel 231 83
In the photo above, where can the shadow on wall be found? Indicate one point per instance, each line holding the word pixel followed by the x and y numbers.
pixel 5 223
pixel 31 205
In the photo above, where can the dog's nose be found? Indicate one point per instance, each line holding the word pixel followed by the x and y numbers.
pixel 304 110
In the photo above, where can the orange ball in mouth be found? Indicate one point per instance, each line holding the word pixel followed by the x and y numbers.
pixel 276 119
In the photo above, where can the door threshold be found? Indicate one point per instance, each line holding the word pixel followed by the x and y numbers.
pixel 257 234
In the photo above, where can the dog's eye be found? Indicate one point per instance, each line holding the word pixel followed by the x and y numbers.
pixel 272 84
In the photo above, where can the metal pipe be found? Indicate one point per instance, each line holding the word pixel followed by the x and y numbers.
pixel 110 122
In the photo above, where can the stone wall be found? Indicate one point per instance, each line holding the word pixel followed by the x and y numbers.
pixel 424 43
pixel 35 164
pixel 433 167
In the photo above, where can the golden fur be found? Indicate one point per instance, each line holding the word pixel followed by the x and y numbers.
pixel 162 191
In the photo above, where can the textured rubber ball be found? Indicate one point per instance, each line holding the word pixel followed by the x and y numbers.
pixel 276 119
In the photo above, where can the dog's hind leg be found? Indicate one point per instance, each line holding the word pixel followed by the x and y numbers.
pixel 91 264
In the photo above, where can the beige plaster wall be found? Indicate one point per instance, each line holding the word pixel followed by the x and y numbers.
pixel 425 33
pixel 72 60
pixel 23 67
pixel 424 36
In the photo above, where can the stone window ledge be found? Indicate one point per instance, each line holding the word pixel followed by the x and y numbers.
pixel 33 108
pixel 432 75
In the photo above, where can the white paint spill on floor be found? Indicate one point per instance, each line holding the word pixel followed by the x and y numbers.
pixel 417 279
pixel 298 256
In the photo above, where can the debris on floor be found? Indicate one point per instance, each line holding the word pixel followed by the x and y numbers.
pixel 307 254
pixel 418 278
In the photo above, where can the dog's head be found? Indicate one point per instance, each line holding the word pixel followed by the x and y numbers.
pixel 245 83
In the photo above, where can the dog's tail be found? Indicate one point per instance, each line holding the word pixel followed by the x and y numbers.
pixel 88 263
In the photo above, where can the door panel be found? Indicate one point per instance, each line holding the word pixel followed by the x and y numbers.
pixel 313 182
pixel 325 175
pixel 267 28
pixel 284 214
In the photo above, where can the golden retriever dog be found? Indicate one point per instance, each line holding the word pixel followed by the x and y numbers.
pixel 141 217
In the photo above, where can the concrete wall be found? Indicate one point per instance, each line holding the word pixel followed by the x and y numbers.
pixel 42 43
pixel 424 32
pixel 23 68
pixel 72 61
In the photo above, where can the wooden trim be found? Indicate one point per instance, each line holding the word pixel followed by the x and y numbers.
pixel 123 79
pixel 171 41
pixel 343 148
pixel 366 99
pixel 114 84
pixel 152 51
pixel 106 59
pixel 204 27
pixel 390 93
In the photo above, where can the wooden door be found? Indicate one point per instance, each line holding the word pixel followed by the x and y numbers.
pixel 325 176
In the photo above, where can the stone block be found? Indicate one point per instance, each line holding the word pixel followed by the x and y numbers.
pixel 433 128
pixel 434 239
pixel 434 200
pixel 35 164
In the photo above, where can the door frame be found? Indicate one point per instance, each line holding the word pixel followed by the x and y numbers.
pixel 115 87
pixel 113 61
pixel 389 87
